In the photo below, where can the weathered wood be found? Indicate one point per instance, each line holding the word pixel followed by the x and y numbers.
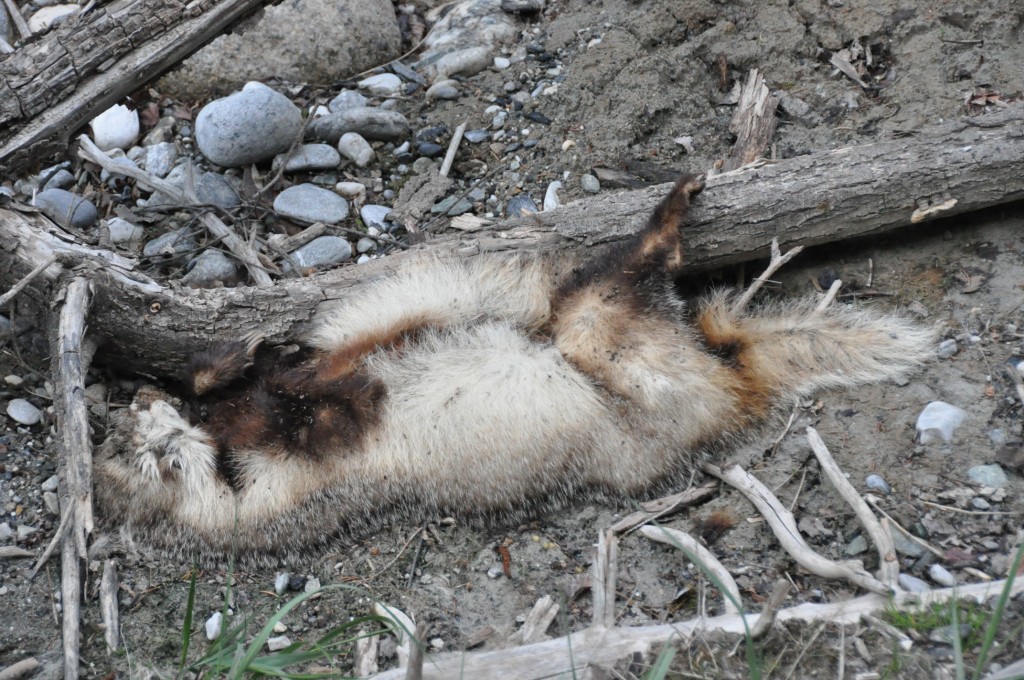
pixel 52 87
pixel 808 200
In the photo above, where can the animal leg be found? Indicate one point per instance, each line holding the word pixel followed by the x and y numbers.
pixel 222 364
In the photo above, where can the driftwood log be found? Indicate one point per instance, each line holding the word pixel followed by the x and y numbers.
pixel 51 87
pixel 851 192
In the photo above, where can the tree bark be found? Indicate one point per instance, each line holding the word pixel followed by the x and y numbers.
pixel 52 87
pixel 151 327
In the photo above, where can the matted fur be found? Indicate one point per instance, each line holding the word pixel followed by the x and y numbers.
pixel 506 391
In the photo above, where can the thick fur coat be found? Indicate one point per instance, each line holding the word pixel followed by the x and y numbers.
pixel 477 388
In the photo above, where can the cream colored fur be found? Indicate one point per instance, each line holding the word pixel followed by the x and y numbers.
pixel 485 416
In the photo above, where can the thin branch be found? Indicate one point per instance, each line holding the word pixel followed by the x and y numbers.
pixel 666 505
pixel 19 21
pixel 20 285
pixel 783 525
pixel 776 262
pixel 414 671
pixel 108 606
pixel 604 574
pixel 703 558
pixel 830 297
pixel 771 608
pixel 449 157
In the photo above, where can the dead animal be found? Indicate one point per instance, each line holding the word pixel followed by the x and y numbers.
pixel 483 389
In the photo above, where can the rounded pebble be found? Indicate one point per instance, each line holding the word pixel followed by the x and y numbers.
pixel 22 411
pixel 66 209
pixel 248 126
pixel 115 128
pixel 590 184
pixel 551 200
pixel 123 231
pixel 876 483
pixel 50 484
pixel 382 84
pixel 171 243
pixel 371 123
pixel 443 89
pixel 347 99
pixel 281 582
pixel 948 348
pixel 354 191
pixel 475 136
pixel 325 250
pixel 353 147
pixel 311 204
pixel 429 149
pixel 276 644
pixel 159 158
pixel 913 584
pixel 375 216
pixel 215 189
pixel 62 179
pixel 467 62
pixel 502 63
pixel 988 475
pixel 213 626
pixel 940 575
pixel 311 157
pixel 366 245
pixel 209 267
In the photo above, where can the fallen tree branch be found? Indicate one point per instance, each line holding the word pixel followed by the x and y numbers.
pixel 660 507
pixel 783 525
pixel 703 558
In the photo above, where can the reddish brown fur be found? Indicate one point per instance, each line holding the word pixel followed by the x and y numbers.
pixel 753 392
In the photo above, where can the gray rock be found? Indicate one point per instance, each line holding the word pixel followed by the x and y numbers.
pixel 913 584
pixel 302 41
pixel 211 266
pixel 443 89
pixel 277 643
pixel 941 575
pixel 212 626
pixel 876 483
pixel 347 99
pixel 476 136
pixel 857 546
pixel 429 149
pixel 980 504
pixel 521 205
pixel 24 531
pixel 215 189
pixel 452 206
pixel 5 28
pixel 50 484
pixel 5 529
pixel 281 582
pixel 502 63
pixel 382 85
pixel 948 348
pixel 366 245
pixel 353 191
pixel 375 216
pixel 248 126
pixel 371 123
pixel 171 243
pixel 905 546
pixel 988 475
pixel 123 231
pixel 477 194
pixel 66 209
pixel 325 250
pixel 466 62
pixel 422 165
pixel 311 204
pixel 353 147
pixel 118 161
pixel 551 200
pixel 943 635
pixel 22 411
pixel 159 158
pixel 311 157
pixel 522 6
pixel 51 503
pixel 590 183
pixel 62 179
pixel 161 133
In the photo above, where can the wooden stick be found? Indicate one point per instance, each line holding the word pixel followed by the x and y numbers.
pixel 830 297
pixel 108 606
pixel 604 575
pixel 27 279
pixel 65 521
pixel 597 645
pixel 414 671
pixel 19 21
pixel 239 248
pixel 453 148
pixel 67 333
pixel 19 669
pixel 888 565
pixel 665 506
pixel 873 500
pixel 783 525
pixel 771 608
pixel 365 653
pixel 777 260
pixel 535 627
pixel 703 558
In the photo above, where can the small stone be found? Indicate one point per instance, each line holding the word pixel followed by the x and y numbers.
pixel 422 165
pixel 353 147
pixel 590 183
pixel 366 245
pixel 429 149
pixel 521 205
pixel 24 531
pixel 857 546
pixel 14 380
pixel 443 89
pixel 876 483
pixel 476 136
pixel 363 259
pixel 213 626
pixel 22 411
pixel 161 133
pixel 296 583
pixel 96 393
pixel 980 504
pixel 494 572
pixel 502 63
pixel 938 421
pixel 276 644
pixel 382 85
pixel 997 436
pixel 437 644
pixel 551 200
pixel 371 123
pixel 941 575
pixel 159 158
pixel 311 204
pixel 171 243
pixel 375 216
pixel 281 582
pixel 467 62
pixel 5 531
pixel 322 251
pixel 948 348
pixel 943 635
pixel 123 231
pixel 66 209
pixel 347 99
pixel 311 157
pixel 247 127
pixel 215 189
pixel 109 176
pixel 209 267
pixel 50 484
pixel 312 585
pixel 912 583
pixel 62 179
pixel 353 191
pixel 986 475
pixel 51 503
pixel 477 194
pixel 906 546
pixel 279 627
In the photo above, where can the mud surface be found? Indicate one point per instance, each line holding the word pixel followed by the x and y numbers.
pixel 637 76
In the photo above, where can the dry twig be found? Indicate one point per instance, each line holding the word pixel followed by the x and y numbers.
pixel 664 506
pixel 604 576
pixel 771 608
pixel 777 260
pixel 453 148
pixel 703 558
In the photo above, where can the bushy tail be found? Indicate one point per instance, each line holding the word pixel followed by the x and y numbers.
pixel 793 349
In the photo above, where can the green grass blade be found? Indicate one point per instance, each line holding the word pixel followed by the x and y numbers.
pixel 186 630
pixel 662 664
pixel 958 645
pixel 997 615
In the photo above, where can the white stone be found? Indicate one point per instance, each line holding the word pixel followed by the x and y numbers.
pixel 14 380
pixel 502 63
pixel 123 231
pixel 551 196
pixel 938 420
pixel 353 147
pixel 213 626
pixel 50 484
pixel 940 575
pixel 354 191
pixel 276 644
pixel 382 84
pixel 23 412
pixel 48 16
pixel 115 128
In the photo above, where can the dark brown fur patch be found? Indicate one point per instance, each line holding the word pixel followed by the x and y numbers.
pixel 751 388
pixel 216 367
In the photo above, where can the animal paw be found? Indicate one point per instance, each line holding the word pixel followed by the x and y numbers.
pixel 167 449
